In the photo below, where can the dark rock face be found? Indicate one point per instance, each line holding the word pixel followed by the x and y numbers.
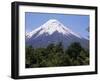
pixel 46 39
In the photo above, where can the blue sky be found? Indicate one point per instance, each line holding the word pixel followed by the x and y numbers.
pixel 77 23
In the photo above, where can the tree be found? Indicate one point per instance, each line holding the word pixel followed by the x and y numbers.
pixel 29 56
pixel 66 60
pixel 84 57
pixel 55 55
pixel 74 50
pixel 59 47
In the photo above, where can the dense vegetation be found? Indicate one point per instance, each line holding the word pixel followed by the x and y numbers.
pixel 56 55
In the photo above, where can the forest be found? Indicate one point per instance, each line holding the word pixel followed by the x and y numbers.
pixel 55 55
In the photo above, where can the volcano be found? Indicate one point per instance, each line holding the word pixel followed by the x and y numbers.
pixel 54 32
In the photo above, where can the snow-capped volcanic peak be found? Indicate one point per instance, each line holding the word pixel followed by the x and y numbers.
pixel 53 25
pixel 50 27
pixel 54 32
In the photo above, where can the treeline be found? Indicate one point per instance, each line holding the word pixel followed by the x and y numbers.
pixel 56 55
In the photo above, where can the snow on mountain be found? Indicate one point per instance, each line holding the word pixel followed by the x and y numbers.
pixel 50 27
pixel 53 32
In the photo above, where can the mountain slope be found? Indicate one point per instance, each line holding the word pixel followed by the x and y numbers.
pixel 53 32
